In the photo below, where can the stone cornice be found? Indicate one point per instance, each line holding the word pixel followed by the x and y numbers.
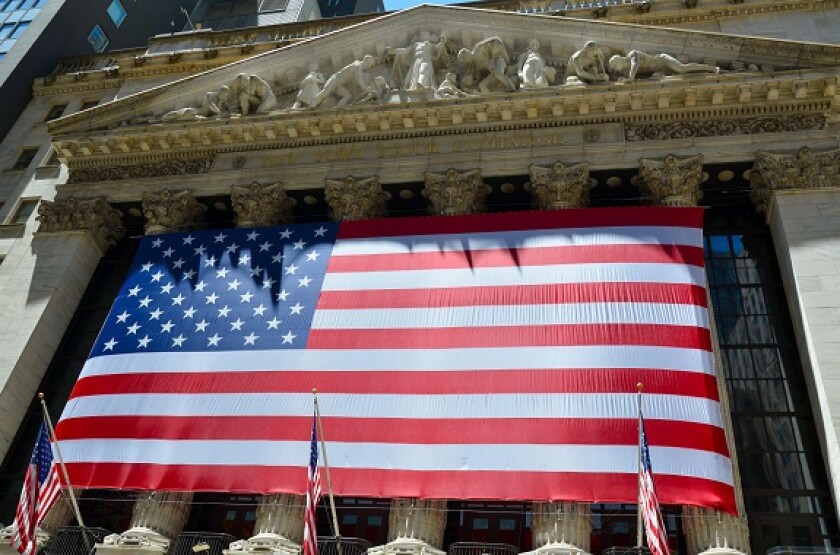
pixel 654 102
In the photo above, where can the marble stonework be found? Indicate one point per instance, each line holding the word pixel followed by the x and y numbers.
pixel 767 99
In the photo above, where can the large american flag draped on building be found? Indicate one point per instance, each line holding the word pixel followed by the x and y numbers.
pixel 487 356
pixel 655 531
pixel 41 489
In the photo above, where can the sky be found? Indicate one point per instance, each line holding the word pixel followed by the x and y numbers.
pixel 391 5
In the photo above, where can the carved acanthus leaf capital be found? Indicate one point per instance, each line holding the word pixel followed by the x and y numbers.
pixel 560 186
pixel 453 193
pixel 170 211
pixel 672 181
pixel 259 205
pixel 708 531
pixel 102 222
pixel 803 170
pixel 354 198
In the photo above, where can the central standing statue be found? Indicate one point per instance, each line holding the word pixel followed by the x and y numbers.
pixel 414 66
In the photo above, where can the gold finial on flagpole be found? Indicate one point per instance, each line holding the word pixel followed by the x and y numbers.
pixel 41 396
pixel 314 391
pixel 639 386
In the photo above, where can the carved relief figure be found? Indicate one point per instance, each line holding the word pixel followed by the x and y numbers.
pixel 214 103
pixel 448 88
pixel 254 94
pixel 532 70
pixel 588 65
pixel 378 92
pixel 338 83
pixel 414 66
pixel 485 65
pixel 309 88
pixel 637 63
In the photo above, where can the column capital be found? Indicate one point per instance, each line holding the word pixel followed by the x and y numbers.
pixel 258 205
pixel 560 186
pixel 98 218
pixel 354 198
pixel 456 193
pixel 804 170
pixel 169 211
pixel 672 181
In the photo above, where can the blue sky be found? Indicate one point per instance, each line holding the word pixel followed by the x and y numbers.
pixel 402 4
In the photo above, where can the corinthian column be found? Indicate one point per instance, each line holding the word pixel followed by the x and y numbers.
pixel 171 211
pixel 672 181
pixel 278 529
pixel 156 520
pixel 455 193
pixel 415 527
pixel 676 182
pixel 258 205
pixel 560 186
pixel 355 198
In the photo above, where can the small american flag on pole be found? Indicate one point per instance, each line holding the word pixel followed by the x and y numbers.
pixel 657 535
pixel 41 488
pixel 313 494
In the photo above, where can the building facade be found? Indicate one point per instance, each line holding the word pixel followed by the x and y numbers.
pixel 554 112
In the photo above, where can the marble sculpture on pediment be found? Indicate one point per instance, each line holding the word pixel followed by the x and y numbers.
pixel 309 88
pixel 533 72
pixel 448 88
pixel 485 65
pixel 414 66
pixel 254 94
pixel 587 65
pixel 247 94
pixel 641 64
pixel 341 83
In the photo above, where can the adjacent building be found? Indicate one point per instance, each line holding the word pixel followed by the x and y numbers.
pixel 733 106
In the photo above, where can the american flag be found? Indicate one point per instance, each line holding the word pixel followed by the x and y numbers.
pixel 655 531
pixel 41 488
pixel 313 494
pixel 473 357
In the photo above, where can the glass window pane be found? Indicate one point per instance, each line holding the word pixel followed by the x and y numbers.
pixel 26 208
pixel 719 245
pixel 98 39
pixel 22 26
pixel 117 12
pixel 739 363
pixel 752 433
pixel 773 395
pixel 746 396
pixel 761 329
pixel 767 363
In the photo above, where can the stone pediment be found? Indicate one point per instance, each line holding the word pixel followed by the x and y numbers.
pixel 293 79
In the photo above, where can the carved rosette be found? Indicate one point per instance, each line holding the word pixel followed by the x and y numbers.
pixel 157 518
pixel 98 218
pixel 278 529
pixel 454 193
pixel 261 205
pixel 672 181
pixel 354 198
pixel 561 526
pixel 560 186
pixel 170 211
pixel 710 532
pixel 803 170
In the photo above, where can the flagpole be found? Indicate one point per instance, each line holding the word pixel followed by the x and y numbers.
pixel 327 470
pixel 73 501
pixel 639 524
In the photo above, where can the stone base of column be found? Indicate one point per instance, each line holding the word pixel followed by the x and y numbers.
pixel 265 544
pixel 136 541
pixel 561 548
pixel 405 546
pixel 5 538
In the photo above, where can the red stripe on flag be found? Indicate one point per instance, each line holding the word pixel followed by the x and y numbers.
pixel 492 431
pixel 529 256
pixel 513 221
pixel 514 485
pixel 409 382
pixel 685 337
pixel 559 293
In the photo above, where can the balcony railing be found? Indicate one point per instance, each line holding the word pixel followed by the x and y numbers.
pixel 204 543
pixel 328 545
pixel 475 548
pixel 69 540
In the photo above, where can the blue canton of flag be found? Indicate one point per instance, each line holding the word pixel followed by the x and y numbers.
pixel 236 289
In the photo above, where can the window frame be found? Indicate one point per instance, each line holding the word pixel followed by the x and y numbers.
pixel 14 215
pixel 19 165
pixel 124 13
pixel 93 42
